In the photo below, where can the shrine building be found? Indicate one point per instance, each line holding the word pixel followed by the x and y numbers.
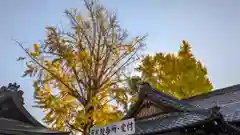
pixel 213 113
pixel 15 119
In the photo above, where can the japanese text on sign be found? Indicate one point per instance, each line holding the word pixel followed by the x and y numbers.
pixel 124 127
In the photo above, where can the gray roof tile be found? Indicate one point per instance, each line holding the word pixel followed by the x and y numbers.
pixel 231 112
pixel 162 98
pixel 227 98
pixel 17 126
pixel 147 92
pixel 168 122
pixel 216 97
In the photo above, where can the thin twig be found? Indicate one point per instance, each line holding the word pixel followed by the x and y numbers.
pixel 55 76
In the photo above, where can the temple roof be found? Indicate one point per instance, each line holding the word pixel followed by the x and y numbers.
pixel 186 113
pixel 169 122
pixel 14 118
pixel 159 99
pixel 14 126
pixel 227 98
pixel 215 97
pixel 12 93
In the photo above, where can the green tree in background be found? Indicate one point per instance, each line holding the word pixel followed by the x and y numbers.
pixel 84 66
pixel 179 75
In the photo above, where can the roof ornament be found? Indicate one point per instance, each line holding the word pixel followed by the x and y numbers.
pixel 13 87
pixel 3 88
pixel 144 84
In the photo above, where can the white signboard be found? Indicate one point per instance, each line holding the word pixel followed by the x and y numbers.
pixel 124 127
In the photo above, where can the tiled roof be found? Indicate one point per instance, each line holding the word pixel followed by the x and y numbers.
pixel 231 112
pixel 169 122
pixel 227 98
pixel 162 98
pixel 13 126
pixel 185 115
pixel 12 92
pixel 157 97
pixel 217 97
pixel 195 110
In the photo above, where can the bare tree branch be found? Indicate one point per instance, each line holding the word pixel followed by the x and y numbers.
pixel 44 67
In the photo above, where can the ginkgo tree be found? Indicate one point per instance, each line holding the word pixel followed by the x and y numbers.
pixel 179 75
pixel 85 65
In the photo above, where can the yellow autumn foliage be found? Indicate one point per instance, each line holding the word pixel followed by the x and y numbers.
pixel 179 75
pixel 76 73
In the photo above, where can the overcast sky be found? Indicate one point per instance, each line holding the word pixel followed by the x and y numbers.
pixel 211 27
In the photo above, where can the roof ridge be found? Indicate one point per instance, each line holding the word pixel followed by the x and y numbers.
pixel 12 89
pixel 172 101
pixel 25 112
pixel 13 92
pixel 149 93
pixel 220 91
